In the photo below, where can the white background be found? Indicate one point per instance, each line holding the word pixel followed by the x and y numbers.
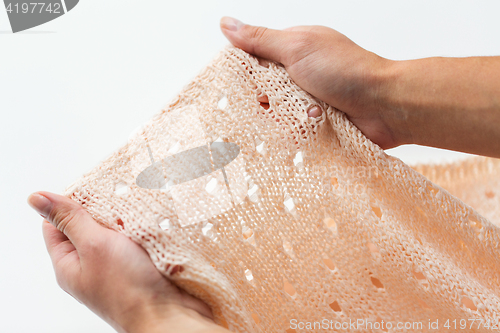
pixel 72 90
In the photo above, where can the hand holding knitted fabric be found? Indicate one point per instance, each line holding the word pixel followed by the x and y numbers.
pixel 112 275
pixel 325 63
pixel 450 103
pixel 443 102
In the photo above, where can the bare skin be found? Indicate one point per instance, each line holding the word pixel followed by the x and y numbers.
pixel 451 103
pixel 112 275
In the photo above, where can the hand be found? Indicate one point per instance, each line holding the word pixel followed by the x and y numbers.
pixel 112 275
pixel 328 65
pixel 449 103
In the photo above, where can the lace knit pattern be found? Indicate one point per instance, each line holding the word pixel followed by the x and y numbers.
pixel 310 221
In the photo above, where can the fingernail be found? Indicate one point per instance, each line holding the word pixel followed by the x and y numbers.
pixel 314 112
pixel 41 204
pixel 230 23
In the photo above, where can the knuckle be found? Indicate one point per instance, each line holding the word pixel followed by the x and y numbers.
pixel 302 40
pixel 64 218
pixel 257 34
pixel 301 44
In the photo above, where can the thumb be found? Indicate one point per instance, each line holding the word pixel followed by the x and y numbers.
pixel 67 216
pixel 262 42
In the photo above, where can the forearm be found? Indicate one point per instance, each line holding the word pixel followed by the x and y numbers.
pixel 451 103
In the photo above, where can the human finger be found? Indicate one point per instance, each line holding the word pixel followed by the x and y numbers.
pixel 260 41
pixel 68 217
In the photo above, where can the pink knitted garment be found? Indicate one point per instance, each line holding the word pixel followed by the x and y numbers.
pixel 308 221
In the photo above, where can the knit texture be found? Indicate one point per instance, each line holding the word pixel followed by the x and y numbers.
pixel 311 220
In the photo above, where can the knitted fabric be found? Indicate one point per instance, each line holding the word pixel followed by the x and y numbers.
pixel 310 221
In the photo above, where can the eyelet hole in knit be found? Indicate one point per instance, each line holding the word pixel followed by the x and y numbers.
pixel 211 186
pixel 469 304
pixel 175 269
pixel 253 193
pixel 264 101
pixel 121 188
pixel 335 306
pixel 251 241
pixel 329 264
pixel 247 233
pixel 334 181
pixel 207 229
pixel 330 223
pixel 288 288
pixel 289 204
pixel 314 111
pixel 260 147
pixel 298 160
pixel 373 248
pixel 256 318
pixel 222 103
pixel 288 248
pixel 248 275
pixel 419 275
pixel 376 282
pixel 263 62
pixel 377 211
pixel 164 224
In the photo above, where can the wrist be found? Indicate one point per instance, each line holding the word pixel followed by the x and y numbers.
pixel 389 101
